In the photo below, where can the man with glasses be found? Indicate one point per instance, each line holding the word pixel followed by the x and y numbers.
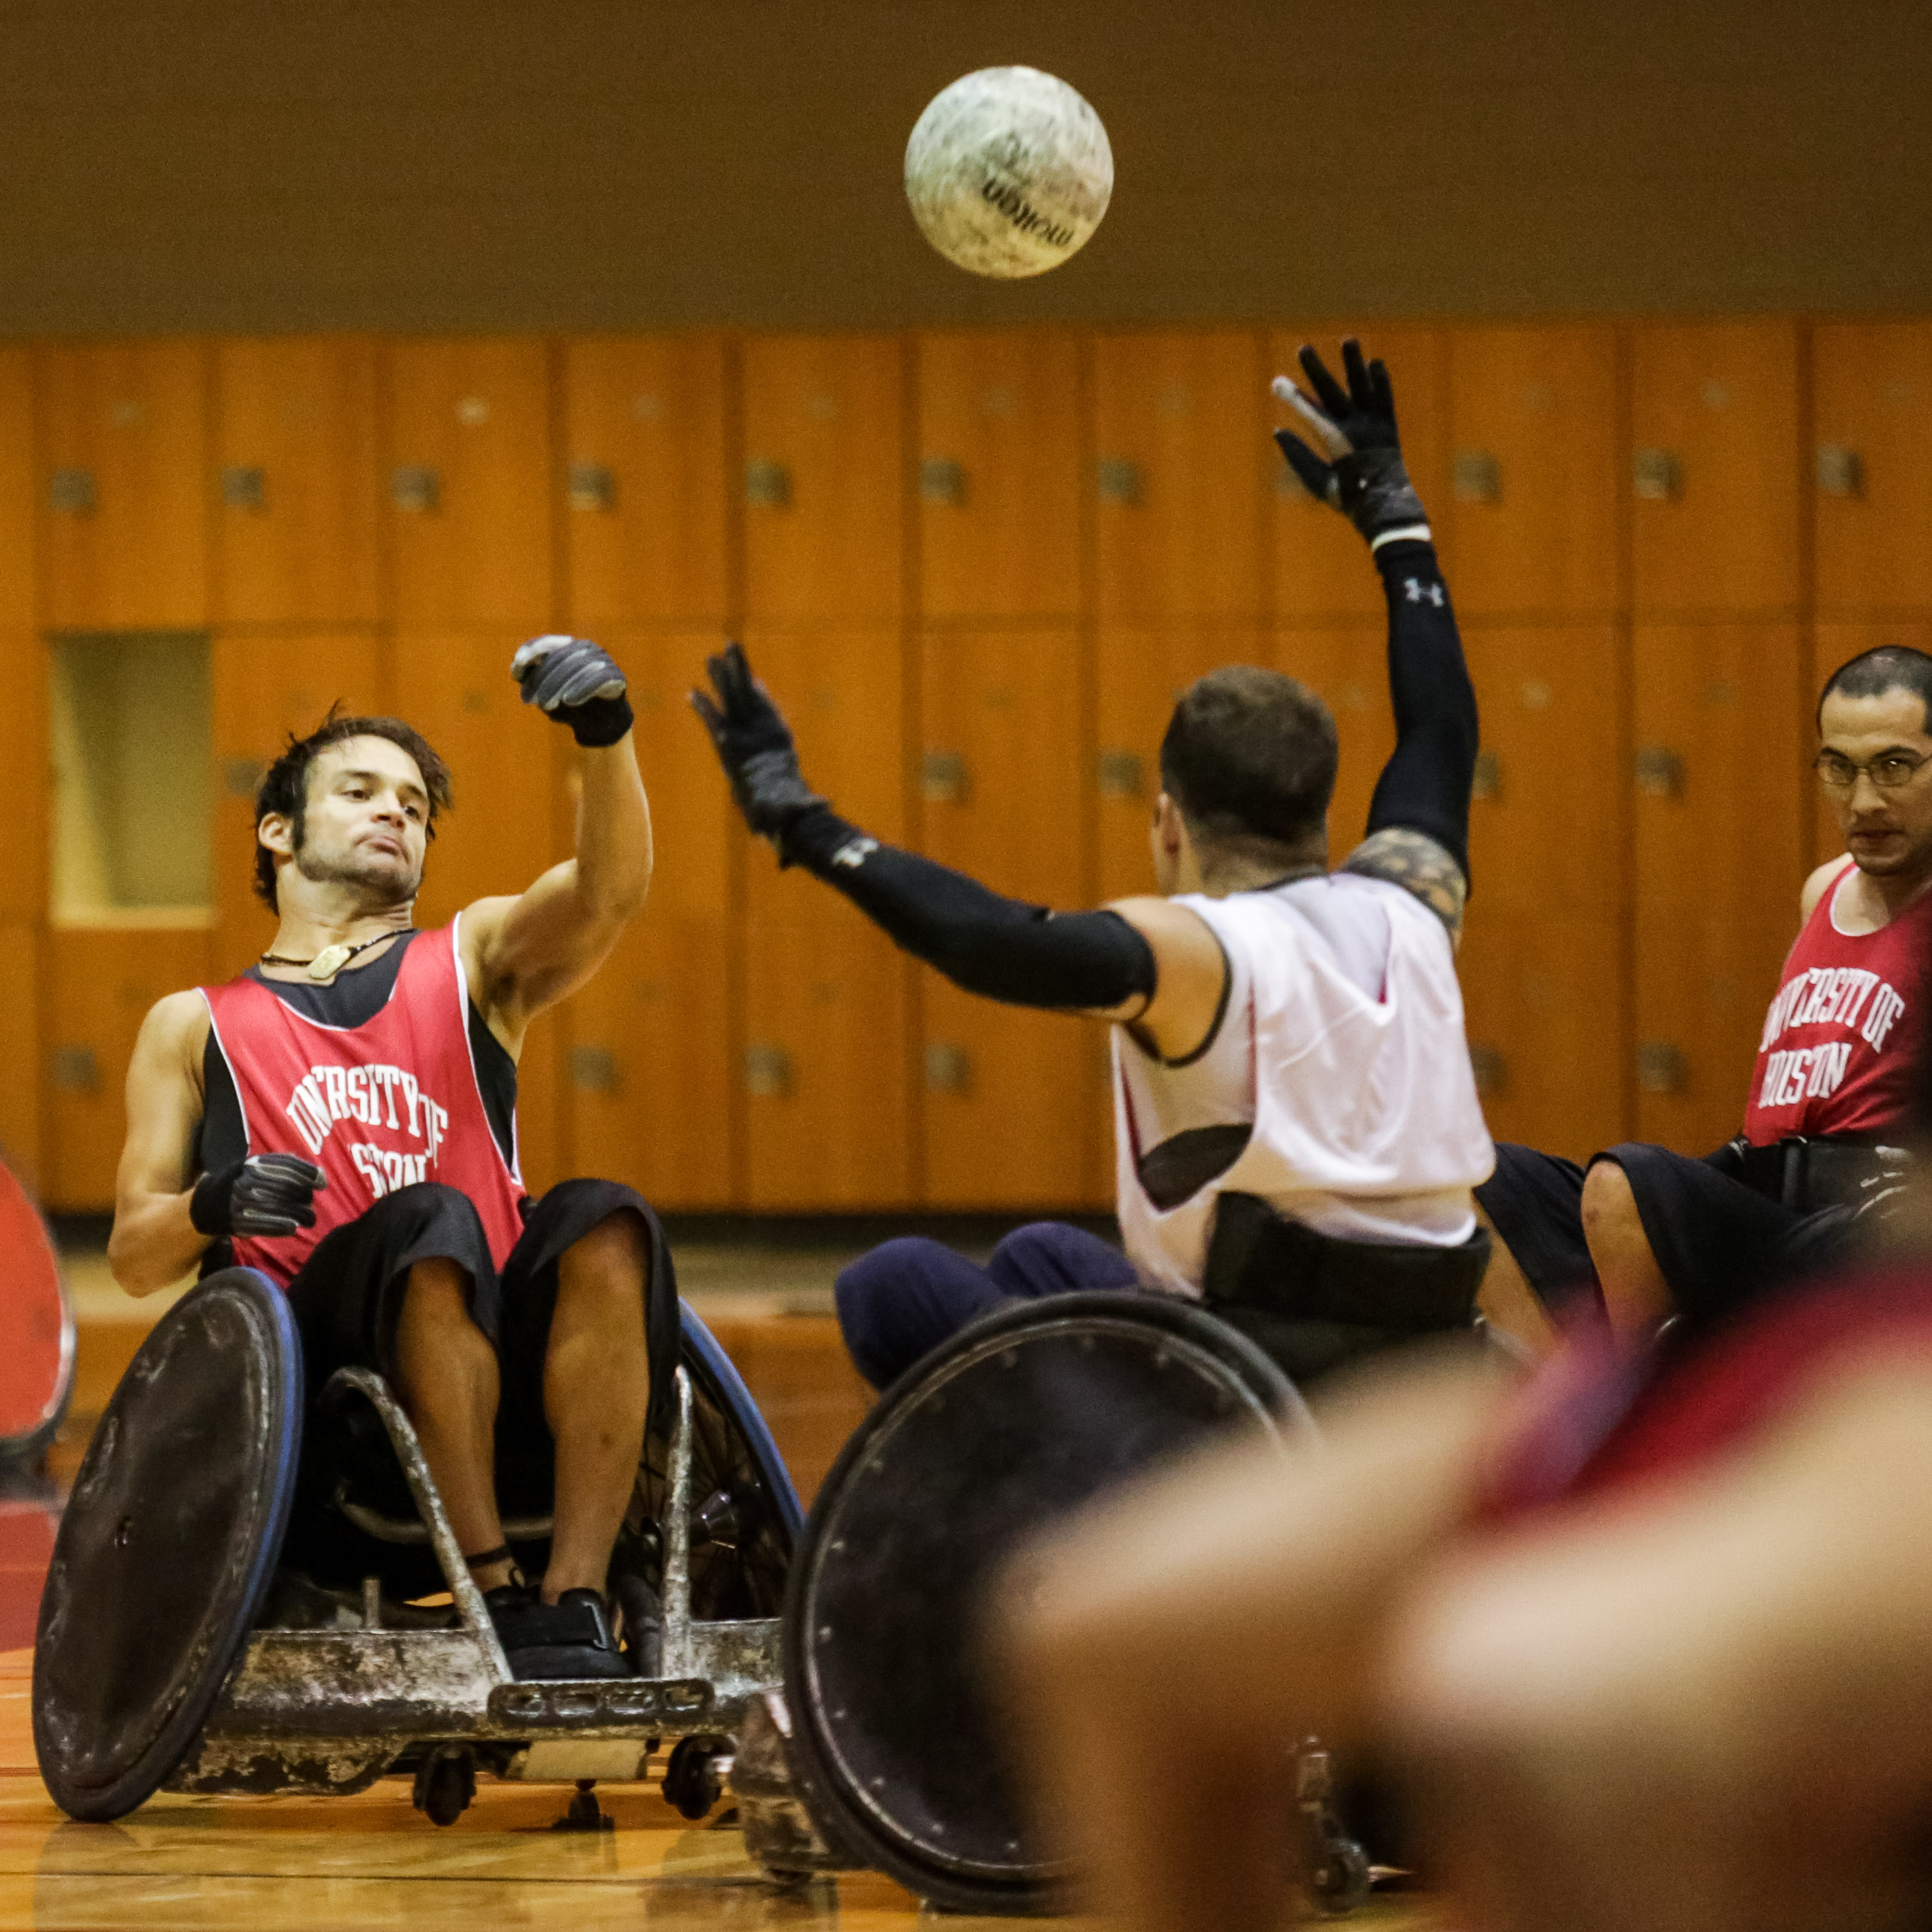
pixel 1662 1233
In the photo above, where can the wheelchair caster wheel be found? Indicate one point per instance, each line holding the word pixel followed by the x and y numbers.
pixel 1340 1884
pixel 445 1783
pixel 694 1779
pixel 584 1813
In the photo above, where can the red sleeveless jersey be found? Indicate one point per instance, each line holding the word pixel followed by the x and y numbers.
pixel 1842 1035
pixel 376 1107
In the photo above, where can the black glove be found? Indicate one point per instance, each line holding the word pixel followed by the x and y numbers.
pixel 1366 479
pixel 578 683
pixel 267 1194
pixel 754 746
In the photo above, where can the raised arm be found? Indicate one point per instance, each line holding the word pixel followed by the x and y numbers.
pixel 1418 832
pixel 525 954
pixel 1139 962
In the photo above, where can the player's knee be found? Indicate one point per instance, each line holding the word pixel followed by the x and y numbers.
pixel 1609 1205
pixel 612 1258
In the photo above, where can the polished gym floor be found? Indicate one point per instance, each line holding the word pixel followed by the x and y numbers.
pixel 331 1865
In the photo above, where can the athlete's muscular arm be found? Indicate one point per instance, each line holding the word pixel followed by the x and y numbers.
pixel 523 955
pixel 155 1243
pixel 1419 818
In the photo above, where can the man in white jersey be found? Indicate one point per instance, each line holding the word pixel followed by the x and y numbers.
pixel 1298 1129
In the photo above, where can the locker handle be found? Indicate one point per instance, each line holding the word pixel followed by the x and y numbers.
pixel 593 1069
pixel 1660 772
pixel 767 484
pixel 241 777
pixel 942 778
pixel 1841 471
pixel 767 1071
pixel 1490 1067
pixel 71 492
pixel 1660 1067
pixel 1657 475
pixel 948 1069
pixel 592 488
pixel 1486 781
pixel 244 486
pixel 1477 477
pixel 1120 774
pixel 74 1069
pixel 415 487
pixel 1117 478
pixel 942 482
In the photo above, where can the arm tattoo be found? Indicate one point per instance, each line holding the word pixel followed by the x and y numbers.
pixel 1416 863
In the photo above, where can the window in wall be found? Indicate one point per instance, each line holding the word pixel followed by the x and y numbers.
pixel 133 799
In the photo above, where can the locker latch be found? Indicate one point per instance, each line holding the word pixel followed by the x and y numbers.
pixel 71 492
pixel 1486 782
pixel 1117 478
pixel 948 1069
pixel 1120 774
pixel 75 1070
pixel 244 486
pixel 942 482
pixel 1841 471
pixel 1660 1067
pixel 414 487
pixel 942 778
pixel 592 488
pixel 767 1071
pixel 1660 772
pixel 1490 1068
pixel 1657 475
pixel 767 483
pixel 593 1069
pixel 1477 477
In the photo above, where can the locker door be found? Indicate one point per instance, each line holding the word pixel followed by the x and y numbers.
pixel 1531 515
pixel 1871 486
pixel 1544 944
pixel 1349 666
pixel 25 752
pixel 1833 644
pixel 19 611
pixel 124 487
pixel 99 986
pixel 22 1076
pixel 297 480
pixel 1137 676
pixel 651 1087
pixel 1714 468
pixel 823 481
pixel 644 444
pixel 266 688
pixel 1182 470
pixel 999 425
pixel 828 1000
pixel 1010 1103
pixel 469 486
pixel 1720 835
pixel 1321 568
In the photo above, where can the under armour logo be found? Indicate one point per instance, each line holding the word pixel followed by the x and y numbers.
pixel 853 852
pixel 1419 592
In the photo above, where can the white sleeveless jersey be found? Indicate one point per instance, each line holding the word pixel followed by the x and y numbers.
pixel 1341 1046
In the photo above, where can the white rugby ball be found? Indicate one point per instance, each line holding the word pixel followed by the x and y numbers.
pixel 1009 172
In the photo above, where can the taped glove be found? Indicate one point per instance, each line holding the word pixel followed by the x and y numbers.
pixel 754 745
pixel 577 683
pixel 1364 477
pixel 266 1195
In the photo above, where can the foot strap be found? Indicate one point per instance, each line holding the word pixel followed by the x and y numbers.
pixel 484 1559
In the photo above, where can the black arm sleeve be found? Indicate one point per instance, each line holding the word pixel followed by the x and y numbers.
pixel 1425 786
pixel 999 947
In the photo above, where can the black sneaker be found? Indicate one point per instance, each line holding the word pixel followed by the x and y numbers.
pixel 570 1638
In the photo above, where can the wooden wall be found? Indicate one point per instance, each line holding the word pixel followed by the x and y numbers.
pixel 975 567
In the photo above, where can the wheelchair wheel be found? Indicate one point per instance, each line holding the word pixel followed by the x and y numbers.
pixel 36 1331
pixel 745 1516
pixel 168 1544
pixel 1023 1417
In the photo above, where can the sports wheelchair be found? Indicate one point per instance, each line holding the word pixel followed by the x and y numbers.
pixel 176 1652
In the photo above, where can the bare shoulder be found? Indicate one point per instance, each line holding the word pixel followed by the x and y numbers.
pixel 176 1022
pixel 1416 863
pixel 1821 879
pixel 483 921
pixel 1162 924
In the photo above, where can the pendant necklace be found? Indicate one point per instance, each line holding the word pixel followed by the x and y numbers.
pixel 331 959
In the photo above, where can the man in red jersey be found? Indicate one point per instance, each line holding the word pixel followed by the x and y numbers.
pixel 342 1117
pixel 1662 1232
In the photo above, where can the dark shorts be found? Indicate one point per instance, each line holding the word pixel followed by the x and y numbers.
pixel 900 1302
pixel 348 1295
pixel 1718 1240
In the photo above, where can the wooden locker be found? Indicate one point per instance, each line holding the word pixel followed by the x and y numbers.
pixel 100 984
pixel 26 753
pixel 1719 835
pixel 1871 404
pixel 651 1087
pixel 297 482
pixel 267 688
pixel 823 483
pixel 468 505
pixel 1348 666
pixel 22 1072
pixel 1530 518
pixel 20 610
pixel 1009 1104
pixel 1547 1009
pixel 124 486
pixel 828 998
pixel 645 432
pixel 1183 471
pixel 1547 824
pixel 1322 570
pixel 506 762
pixel 1137 676
pixel 1833 644
pixel 999 470
pixel 1715 469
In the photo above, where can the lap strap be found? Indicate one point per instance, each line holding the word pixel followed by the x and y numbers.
pixel 1259 1258
pixel 1806 1173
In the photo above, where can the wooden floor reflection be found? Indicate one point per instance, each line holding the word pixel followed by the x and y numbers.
pixel 186 1864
